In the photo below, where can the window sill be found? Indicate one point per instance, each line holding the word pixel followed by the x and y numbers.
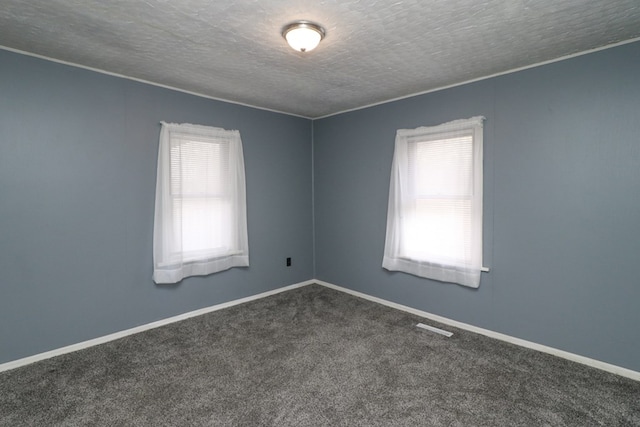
pixel 482 269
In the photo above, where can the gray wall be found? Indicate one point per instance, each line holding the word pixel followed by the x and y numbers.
pixel 562 203
pixel 78 155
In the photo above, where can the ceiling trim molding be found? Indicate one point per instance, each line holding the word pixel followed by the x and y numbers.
pixel 229 101
pixel 502 73
pixel 135 79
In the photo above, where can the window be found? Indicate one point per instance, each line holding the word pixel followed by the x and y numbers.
pixel 434 219
pixel 200 222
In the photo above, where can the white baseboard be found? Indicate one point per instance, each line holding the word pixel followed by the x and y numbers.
pixel 634 375
pixel 101 340
pixel 486 332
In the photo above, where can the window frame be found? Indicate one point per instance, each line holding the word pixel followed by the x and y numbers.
pixel 172 261
pixel 402 196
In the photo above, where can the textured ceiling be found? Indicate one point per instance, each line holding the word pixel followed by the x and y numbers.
pixel 374 50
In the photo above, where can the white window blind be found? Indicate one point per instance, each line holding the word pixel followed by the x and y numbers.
pixel 434 219
pixel 200 219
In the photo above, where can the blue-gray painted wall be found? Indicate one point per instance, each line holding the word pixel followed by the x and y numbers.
pixel 562 203
pixel 78 155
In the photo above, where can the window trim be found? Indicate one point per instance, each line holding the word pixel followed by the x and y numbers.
pixel 171 263
pixel 395 259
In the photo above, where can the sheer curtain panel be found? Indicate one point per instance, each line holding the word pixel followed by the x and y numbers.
pixel 434 217
pixel 200 224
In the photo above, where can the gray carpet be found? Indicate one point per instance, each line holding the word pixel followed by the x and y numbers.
pixel 312 357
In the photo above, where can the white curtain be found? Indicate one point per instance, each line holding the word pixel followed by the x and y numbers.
pixel 434 217
pixel 200 224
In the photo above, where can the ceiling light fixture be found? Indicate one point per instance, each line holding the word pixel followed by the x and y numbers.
pixel 303 36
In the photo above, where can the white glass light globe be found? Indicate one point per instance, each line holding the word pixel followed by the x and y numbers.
pixel 303 37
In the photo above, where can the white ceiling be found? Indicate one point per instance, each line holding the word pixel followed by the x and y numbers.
pixel 374 50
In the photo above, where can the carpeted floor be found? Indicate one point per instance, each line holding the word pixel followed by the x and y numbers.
pixel 312 357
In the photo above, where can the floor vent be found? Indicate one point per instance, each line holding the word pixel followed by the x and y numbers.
pixel 434 329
